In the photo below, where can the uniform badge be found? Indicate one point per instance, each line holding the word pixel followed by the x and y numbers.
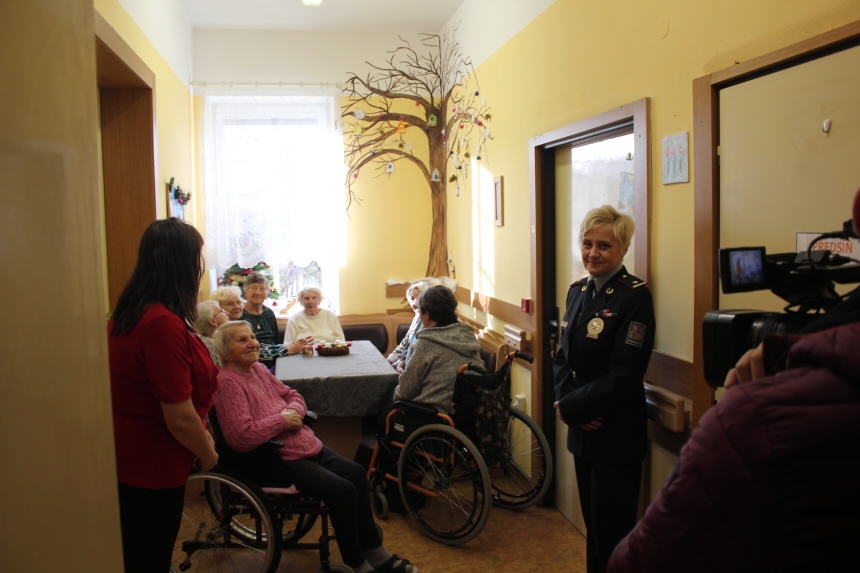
pixel 595 327
pixel 636 334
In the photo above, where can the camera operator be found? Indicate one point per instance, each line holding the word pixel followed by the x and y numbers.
pixel 769 479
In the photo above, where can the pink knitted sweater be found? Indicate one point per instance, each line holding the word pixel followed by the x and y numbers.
pixel 249 412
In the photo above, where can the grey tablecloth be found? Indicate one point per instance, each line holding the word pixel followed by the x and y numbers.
pixel 358 384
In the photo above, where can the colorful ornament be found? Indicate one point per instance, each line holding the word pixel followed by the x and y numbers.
pixel 381 115
pixel 431 121
pixel 389 168
pixel 401 126
pixel 356 131
pixel 477 93
pixel 435 176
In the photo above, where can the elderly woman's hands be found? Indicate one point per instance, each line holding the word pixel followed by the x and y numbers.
pixel 293 418
pixel 295 347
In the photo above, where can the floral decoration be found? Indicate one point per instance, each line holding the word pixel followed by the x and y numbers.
pixel 236 275
pixel 178 194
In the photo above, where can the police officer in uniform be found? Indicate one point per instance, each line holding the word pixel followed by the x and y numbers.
pixel 608 334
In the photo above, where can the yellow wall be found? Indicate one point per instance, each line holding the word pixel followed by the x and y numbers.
pixel 58 480
pixel 579 59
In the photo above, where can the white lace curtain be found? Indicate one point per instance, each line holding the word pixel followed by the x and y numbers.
pixel 273 180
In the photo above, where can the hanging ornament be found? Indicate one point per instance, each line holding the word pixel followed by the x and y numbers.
pixel 431 121
pixel 417 103
pixel 452 179
pixel 459 167
pixel 435 176
pixel 389 168
pixel 488 117
pixel 401 144
pixel 479 123
pixel 355 175
pixel 461 126
pixel 381 115
pixel 477 93
pixel 359 114
pixel 401 126
pixel 473 115
pixel 372 151
pixel 453 110
pixel 356 131
pixel 408 146
pixel 478 158
pixel 483 102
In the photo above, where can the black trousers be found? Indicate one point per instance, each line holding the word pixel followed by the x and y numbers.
pixel 342 486
pixel 150 521
pixel 609 497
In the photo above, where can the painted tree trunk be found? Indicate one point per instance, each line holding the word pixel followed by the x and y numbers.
pixel 437 262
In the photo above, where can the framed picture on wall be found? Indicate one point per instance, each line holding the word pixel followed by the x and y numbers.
pixel 499 201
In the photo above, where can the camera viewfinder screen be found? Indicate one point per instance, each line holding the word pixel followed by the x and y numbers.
pixel 746 267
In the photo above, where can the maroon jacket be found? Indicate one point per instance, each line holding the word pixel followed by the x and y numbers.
pixel 770 480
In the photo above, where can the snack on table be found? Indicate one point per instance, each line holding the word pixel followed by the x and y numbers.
pixel 336 348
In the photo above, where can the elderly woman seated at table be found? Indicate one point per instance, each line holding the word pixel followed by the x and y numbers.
pixel 230 299
pixel 312 321
pixel 254 407
pixel 439 349
pixel 397 356
pixel 210 316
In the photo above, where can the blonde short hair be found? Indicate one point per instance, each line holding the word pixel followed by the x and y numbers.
pixel 623 225
pixel 223 293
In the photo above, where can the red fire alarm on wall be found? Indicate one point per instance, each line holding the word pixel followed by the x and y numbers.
pixel 526 305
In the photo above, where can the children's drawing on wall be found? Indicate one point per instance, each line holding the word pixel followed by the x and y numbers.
pixel 675 159
pixel 625 194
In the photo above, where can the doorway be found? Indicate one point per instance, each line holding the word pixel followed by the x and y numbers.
pixel 555 204
pixel 127 148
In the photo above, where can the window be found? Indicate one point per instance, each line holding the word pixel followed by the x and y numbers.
pixel 273 184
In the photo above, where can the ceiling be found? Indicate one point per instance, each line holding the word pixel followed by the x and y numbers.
pixel 402 16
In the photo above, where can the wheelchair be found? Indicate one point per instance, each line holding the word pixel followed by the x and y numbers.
pixel 450 470
pixel 229 523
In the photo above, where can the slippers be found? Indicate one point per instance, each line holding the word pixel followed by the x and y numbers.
pixel 397 565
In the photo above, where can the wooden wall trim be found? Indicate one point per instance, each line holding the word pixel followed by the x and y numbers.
pixel 130 70
pixel 706 103
pixel 672 373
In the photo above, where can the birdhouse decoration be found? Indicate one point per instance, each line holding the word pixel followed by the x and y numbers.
pixel 435 176
pixel 389 168
pixel 431 121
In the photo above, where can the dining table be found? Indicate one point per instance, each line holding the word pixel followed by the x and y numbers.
pixel 342 390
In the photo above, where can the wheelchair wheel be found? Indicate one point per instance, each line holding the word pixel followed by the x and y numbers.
pixel 526 473
pixel 226 525
pixel 379 502
pixel 444 484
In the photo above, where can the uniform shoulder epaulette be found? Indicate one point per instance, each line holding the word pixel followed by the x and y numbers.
pixel 580 282
pixel 629 280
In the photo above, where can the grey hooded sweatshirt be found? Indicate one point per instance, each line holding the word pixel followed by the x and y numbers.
pixel 432 363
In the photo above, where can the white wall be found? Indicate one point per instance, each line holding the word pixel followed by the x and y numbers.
pixel 166 26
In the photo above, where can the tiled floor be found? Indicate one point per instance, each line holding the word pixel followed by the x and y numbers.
pixel 533 540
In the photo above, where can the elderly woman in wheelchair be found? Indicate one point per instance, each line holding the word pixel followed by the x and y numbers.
pixel 254 409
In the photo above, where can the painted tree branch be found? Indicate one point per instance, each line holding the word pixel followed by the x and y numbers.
pixel 451 118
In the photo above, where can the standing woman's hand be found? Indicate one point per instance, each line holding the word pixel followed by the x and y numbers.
pixel 187 427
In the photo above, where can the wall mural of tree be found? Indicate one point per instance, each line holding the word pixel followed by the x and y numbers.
pixel 449 111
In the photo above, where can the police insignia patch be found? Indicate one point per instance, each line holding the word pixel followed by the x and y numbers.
pixel 636 334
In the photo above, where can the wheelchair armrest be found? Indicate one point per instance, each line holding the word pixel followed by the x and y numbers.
pixel 310 418
pixel 408 404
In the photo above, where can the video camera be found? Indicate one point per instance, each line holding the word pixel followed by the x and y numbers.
pixel 804 280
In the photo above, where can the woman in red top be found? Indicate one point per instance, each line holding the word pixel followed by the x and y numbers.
pixel 162 380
